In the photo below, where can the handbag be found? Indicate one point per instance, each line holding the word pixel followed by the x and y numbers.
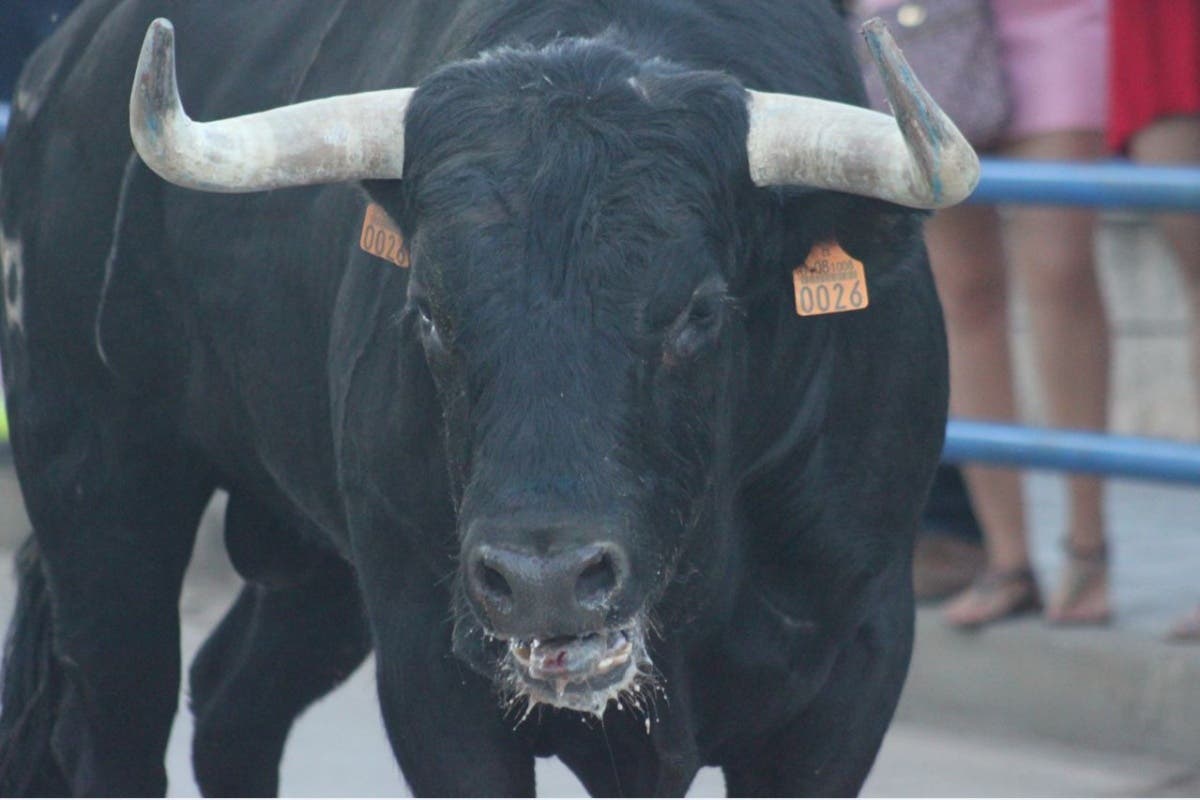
pixel 953 48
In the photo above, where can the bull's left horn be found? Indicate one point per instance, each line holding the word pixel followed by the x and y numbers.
pixel 349 137
pixel 917 159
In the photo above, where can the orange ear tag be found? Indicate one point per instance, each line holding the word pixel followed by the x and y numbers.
pixel 829 282
pixel 380 237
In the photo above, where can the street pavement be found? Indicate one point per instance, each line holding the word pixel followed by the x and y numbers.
pixel 338 749
pixel 1021 709
pixel 1121 688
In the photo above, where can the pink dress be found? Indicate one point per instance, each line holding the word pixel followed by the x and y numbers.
pixel 1055 55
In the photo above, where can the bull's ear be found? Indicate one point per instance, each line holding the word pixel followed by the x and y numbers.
pixel 869 230
pixel 394 199
pixel 873 231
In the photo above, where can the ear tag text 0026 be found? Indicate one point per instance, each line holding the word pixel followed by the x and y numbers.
pixel 381 237
pixel 829 282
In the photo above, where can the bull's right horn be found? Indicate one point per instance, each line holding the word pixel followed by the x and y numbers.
pixel 349 137
pixel 918 159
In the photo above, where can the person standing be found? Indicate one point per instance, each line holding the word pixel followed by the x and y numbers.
pixel 1154 101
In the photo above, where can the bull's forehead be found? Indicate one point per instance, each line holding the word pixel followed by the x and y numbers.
pixel 587 320
pixel 628 249
pixel 574 161
pixel 570 221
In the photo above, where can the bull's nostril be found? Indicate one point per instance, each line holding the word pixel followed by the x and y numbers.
pixel 597 580
pixel 534 589
pixel 493 584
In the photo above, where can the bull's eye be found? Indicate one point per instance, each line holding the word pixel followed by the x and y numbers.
pixel 424 314
pixel 697 328
pixel 425 321
pixel 704 311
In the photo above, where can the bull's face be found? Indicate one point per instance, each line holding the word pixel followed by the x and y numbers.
pixel 576 218
pixel 574 246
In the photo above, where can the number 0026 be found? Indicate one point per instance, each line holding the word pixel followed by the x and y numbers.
pixel 830 298
pixel 381 238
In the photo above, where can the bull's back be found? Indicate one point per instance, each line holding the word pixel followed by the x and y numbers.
pixel 109 269
pixel 60 183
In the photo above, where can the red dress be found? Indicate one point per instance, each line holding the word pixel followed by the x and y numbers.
pixel 1154 64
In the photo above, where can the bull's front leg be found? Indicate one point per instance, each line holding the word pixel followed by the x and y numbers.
pixel 92 680
pixel 277 650
pixel 828 749
pixel 444 722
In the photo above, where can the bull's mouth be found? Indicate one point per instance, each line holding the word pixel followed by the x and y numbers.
pixel 583 673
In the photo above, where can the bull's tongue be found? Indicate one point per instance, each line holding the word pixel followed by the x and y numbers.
pixel 563 659
pixel 578 672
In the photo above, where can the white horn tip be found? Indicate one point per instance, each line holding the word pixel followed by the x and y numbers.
pixel 947 161
pixel 158 50
pixel 154 100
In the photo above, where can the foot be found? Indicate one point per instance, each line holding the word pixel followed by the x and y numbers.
pixel 944 565
pixel 994 596
pixel 1186 628
pixel 1082 595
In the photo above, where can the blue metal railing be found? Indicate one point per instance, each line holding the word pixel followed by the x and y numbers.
pixel 1113 184
pixel 1103 184
pixel 1135 457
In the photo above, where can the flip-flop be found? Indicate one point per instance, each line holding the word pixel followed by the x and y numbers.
pixel 1083 572
pixel 994 596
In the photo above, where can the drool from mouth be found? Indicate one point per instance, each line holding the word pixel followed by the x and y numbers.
pixel 582 673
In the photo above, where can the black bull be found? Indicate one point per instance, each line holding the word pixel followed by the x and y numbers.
pixel 588 422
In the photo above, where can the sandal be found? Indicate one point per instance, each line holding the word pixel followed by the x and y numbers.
pixel 1082 597
pixel 1186 628
pixel 994 596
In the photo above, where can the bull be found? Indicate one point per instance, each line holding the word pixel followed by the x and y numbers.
pixel 574 460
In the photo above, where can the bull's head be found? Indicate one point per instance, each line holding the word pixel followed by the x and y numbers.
pixel 575 263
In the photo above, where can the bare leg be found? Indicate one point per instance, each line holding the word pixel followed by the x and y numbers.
pixel 1053 251
pixel 1167 141
pixel 1177 140
pixel 968 261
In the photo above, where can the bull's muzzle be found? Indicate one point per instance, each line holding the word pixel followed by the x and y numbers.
pixel 527 593
pixel 563 599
